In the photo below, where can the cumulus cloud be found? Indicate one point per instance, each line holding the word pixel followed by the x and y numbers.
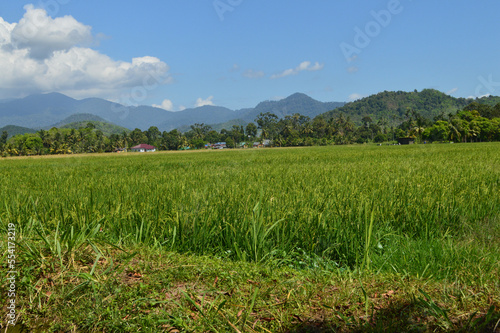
pixel 304 66
pixel 202 102
pixel 40 54
pixel 166 105
pixel 42 35
pixel 251 74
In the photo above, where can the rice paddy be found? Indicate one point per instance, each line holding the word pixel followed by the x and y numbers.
pixel 411 216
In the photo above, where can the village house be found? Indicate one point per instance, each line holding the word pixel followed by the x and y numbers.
pixel 219 145
pixel 257 145
pixel 406 141
pixel 143 148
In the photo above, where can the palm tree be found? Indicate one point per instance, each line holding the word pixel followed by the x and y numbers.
pixel 418 132
pixel 307 129
pixel 264 133
pixel 454 132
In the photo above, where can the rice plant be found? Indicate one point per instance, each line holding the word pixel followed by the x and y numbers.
pixel 359 207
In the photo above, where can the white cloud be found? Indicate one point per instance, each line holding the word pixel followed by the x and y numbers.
pixel 352 69
pixel 40 54
pixel 235 68
pixel 182 108
pixel 303 66
pixel 353 58
pixel 6 32
pixel 452 91
pixel 43 35
pixel 251 74
pixel 202 102
pixel 481 96
pixel 355 96
pixel 316 67
pixel 166 104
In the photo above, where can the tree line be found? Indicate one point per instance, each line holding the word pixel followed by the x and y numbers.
pixel 475 123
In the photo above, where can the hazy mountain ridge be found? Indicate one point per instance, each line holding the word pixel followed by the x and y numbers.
pixel 45 110
pixel 54 109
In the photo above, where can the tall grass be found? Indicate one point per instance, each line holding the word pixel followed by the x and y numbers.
pixel 423 210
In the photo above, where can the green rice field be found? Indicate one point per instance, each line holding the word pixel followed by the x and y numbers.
pixel 361 238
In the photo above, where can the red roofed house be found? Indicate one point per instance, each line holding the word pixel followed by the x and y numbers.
pixel 143 148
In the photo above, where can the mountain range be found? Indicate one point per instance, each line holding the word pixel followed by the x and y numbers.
pixel 44 111
pixel 53 109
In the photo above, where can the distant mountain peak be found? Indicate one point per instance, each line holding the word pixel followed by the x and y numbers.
pixel 51 95
pixel 78 117
pixel 42 110
pixel 299 95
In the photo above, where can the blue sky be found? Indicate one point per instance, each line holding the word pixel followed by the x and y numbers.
pixel 237 53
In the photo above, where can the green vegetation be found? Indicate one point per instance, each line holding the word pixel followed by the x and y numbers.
pixel 60 141
pixel 476 122
pixel 489 100
pixel 344 238
pixel 13 130
pixel 391 106
pixel 106 128
pixel 78 118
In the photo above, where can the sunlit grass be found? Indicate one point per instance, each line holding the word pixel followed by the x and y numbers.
pixel 424 212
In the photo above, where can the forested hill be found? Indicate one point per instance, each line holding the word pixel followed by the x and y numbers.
pixel 77 118
pixel 296 103
pixel 391 107
pixel 489 100
pixel 105 127
pixel 15 130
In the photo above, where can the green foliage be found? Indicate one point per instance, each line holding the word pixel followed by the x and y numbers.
pixel 380 137
pixel 475 123
pixel 392 106
pixel 268 123
pixel 342 235
pixel 106 128
pixel 251 130
pixel 440 131
pixel 16 130
pixel 3 138
pixel 80 118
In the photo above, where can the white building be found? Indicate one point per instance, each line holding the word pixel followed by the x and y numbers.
pixel 143 148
